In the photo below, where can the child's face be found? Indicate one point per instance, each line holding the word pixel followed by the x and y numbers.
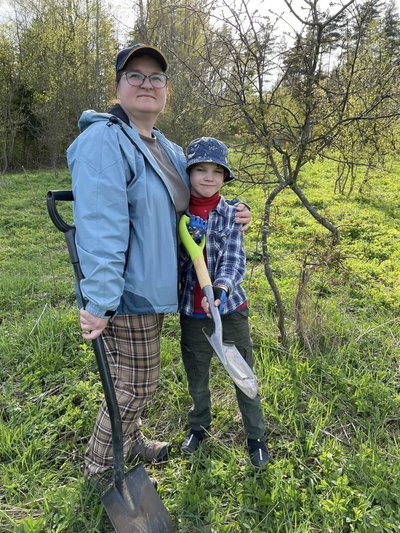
pixel 206 179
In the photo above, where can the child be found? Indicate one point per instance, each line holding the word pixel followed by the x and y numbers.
pixel 208 170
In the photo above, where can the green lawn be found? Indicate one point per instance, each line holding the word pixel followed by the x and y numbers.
pixel 332 407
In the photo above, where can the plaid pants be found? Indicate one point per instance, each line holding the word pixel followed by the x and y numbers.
pixel 132 345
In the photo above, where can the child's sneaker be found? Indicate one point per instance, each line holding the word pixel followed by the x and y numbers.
pixel 192 441
pixel 258 452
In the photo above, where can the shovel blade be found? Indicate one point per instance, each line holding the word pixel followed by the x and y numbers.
pixel 228 354
pixel 234 364
pixel 147 514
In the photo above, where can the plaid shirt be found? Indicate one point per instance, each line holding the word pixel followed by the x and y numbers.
pixel 226 259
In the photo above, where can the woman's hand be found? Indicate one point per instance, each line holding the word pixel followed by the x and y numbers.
pixel 92 326
pixel 243 216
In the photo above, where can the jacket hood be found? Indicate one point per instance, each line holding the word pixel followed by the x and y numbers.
pixel 90 117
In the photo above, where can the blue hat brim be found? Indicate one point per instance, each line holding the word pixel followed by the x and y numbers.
pixel 194 161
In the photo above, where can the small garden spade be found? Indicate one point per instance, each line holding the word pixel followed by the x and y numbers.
pixel 228 354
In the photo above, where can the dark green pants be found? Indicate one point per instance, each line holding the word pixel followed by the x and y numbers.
pixel 197 353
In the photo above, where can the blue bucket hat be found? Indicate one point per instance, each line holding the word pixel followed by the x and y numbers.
pixel 139 50
pixel 208 150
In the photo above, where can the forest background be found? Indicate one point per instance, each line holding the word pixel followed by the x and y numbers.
pixel 310 111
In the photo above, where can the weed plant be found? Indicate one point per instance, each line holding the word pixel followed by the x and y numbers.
pixel 331 403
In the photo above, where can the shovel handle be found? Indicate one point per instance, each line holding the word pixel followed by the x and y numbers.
pixel 195 252
pixel 203 277
pixel 52 198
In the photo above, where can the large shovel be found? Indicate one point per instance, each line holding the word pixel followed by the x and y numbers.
pixel 228 354
pixel 132 504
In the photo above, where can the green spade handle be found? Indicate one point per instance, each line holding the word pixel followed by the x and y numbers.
pixel 195 251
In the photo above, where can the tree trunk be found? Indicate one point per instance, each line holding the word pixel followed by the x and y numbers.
pixel 267 264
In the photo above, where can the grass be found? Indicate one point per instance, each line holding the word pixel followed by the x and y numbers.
pixel 332 412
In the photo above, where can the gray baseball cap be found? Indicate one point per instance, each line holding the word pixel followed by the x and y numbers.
pixel 137 50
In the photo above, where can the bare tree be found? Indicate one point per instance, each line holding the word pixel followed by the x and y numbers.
pixel 294 102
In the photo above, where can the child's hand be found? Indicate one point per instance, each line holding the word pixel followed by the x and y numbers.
pixel 220 299
pixel 206 306
pixel 197 227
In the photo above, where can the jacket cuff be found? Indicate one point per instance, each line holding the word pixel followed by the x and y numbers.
pixel 224 284
pixel 100 312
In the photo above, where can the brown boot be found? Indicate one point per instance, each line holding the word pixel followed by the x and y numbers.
pixel 149 450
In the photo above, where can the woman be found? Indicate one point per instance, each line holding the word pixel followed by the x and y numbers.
pixel 130 185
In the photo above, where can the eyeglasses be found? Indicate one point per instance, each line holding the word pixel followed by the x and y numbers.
pixel 136 79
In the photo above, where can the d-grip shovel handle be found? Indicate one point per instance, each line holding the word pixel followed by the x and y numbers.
pixel 98 346
pixel 67 229
pixel 195 252
pixel 52 198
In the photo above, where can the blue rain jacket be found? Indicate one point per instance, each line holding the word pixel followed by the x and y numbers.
pixel 126 224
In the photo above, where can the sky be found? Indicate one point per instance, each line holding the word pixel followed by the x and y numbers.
pixel 123 13
pixel 122 10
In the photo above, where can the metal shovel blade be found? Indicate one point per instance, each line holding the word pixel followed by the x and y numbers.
pixel 145 513
pixel 235 365
pixel 228 354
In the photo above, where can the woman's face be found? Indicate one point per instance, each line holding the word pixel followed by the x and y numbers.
pixel 143 101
